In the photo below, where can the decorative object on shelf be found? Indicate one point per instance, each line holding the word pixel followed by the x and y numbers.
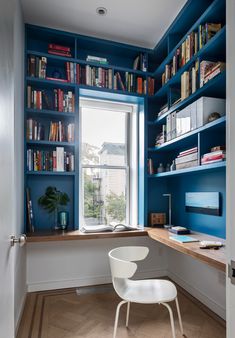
pixel 157 219
pixel 63 219
pixel 169 225
pixel 213 116
pixel 173 166
pixel 160 169
pixel 168 167
pixel 56 74
pixel 51 201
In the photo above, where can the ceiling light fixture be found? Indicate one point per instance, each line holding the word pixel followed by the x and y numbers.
pixel 101 11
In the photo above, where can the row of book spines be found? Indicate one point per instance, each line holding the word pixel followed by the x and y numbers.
pixel 133 83
pixel 58 131
pixel 36 66
pixel 189 48
pixel 57 160
pixel 209 69
pixel 62 101
pixel 190 81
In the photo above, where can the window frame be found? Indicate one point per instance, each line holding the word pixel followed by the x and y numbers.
pixel 131 184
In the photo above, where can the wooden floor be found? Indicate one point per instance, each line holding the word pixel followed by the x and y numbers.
pixel 64 314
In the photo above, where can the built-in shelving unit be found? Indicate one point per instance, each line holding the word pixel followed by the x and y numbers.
pixel 200 177
pixel 209 177
pixel 120 59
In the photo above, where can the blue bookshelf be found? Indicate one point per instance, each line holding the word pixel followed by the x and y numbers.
pixel 210 177
pixel 206 177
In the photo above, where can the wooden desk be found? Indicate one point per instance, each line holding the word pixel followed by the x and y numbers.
pixel 215 258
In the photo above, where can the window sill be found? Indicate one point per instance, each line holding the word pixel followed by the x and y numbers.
pixel 57 236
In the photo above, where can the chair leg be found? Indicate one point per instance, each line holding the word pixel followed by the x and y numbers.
pixel 127 313
pixel 179 316
pixel 116 317
pixel 171 319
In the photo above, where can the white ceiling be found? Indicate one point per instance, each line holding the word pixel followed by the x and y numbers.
pixel 136 22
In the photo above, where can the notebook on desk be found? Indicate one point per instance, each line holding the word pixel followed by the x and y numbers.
pixel 183 239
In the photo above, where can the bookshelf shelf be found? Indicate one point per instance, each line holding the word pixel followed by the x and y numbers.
pixel 48 113
pixel 181 140
pixel 50 143
pixel 200 168
pixel 51 173
pixel 50 83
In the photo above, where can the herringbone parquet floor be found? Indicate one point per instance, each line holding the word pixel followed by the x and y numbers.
pixel 64 314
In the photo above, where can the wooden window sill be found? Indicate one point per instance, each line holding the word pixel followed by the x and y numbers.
pixel 78 235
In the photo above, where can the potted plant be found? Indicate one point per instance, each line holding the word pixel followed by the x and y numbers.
pixel 52 201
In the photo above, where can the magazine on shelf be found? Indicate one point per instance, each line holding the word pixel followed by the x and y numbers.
pixel 112 227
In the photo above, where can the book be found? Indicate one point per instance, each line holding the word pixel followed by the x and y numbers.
pixel 186 158
pixel 30 218
pixel 179 230
pixel 59 159
pixel 183 239
pixel 58 47
pixel 112 227
pixel 188 164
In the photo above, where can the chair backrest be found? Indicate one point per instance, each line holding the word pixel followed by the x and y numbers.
pixel 121 260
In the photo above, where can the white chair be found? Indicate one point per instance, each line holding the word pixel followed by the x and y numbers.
pixel 151 291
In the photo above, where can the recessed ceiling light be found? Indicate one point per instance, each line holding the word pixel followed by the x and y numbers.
pixel 101 11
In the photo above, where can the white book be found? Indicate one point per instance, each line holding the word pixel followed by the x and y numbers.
pixel 59 158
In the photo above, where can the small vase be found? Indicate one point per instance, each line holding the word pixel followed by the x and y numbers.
pixel 63 220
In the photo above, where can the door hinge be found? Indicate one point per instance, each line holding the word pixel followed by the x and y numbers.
pixel 231 272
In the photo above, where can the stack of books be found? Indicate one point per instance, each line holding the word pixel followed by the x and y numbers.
pixel 209 69
pixel 57 99
pixel 35 130
pixel 37 66
pixel 140 62
pixel 187 159
pixel 207 31
pixel 44 160
pixel 94 76
pixel 59 132
pixel 59 50
pixel 189 81
pixel 97 59
pixel 163 110
pixel 161 138
pixel 217 154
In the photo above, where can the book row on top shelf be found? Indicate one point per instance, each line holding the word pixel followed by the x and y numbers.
pixel 88 75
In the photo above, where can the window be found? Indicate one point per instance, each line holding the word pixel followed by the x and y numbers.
pixel 108 157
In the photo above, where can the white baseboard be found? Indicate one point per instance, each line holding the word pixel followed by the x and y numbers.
pixel 87 281
pixel 203 298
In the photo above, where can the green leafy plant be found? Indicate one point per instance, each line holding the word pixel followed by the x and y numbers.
pixel 52 200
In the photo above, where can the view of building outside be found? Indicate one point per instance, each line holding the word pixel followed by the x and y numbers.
pixel 104 196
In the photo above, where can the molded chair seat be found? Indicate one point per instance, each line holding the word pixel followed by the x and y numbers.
pixel 151 291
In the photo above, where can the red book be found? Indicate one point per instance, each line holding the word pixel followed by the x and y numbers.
pixel 61 97
pixel 212 158
pixel 59 53
pixel 55 79
pixel 68 71
pixel 139 85
pixel 78 73
pixel 38 99
pixel 59 47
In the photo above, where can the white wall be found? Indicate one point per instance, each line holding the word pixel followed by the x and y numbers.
pixel 20 253
pixel 77 263
pixel 201 280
